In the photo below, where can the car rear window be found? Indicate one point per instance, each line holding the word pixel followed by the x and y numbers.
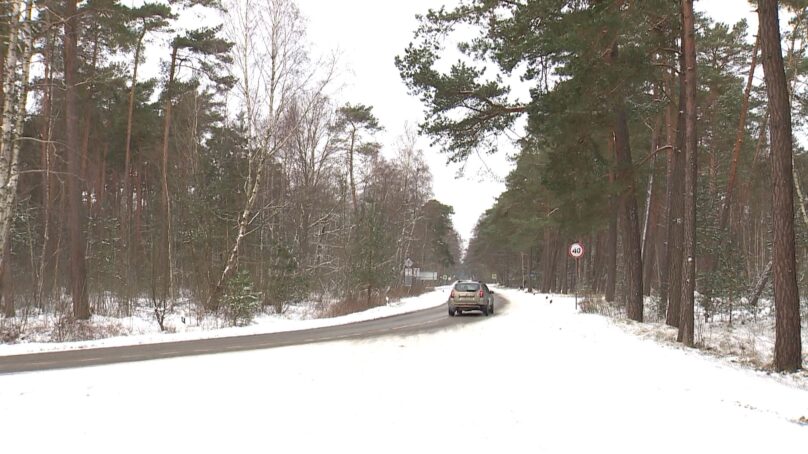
pixel 467 286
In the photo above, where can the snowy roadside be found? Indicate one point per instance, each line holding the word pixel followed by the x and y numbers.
pixel 142 329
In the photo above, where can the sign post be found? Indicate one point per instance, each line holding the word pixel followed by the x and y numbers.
pixel 576 251
pixel 408 272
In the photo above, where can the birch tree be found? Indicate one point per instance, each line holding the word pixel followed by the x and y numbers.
pixel 273 70
pixel 15 89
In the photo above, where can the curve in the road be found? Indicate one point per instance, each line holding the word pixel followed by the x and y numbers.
pixel 432 319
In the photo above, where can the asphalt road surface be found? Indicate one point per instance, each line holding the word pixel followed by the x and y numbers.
pixel 425 320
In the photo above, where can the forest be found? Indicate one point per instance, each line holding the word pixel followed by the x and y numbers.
pixel 231 180
pixel 669 145
pixel 228 181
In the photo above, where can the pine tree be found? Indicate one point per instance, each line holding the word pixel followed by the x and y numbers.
pixel 788 345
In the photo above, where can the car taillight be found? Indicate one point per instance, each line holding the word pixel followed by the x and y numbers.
pixel 481 293
pixel 453 294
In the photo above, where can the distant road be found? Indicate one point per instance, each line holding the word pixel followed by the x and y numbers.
pixel 425 320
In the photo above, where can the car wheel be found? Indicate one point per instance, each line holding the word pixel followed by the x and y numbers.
pixel 491 309
pixel 451 312
pixel 485 311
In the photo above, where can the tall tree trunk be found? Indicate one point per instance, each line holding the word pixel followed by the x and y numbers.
pixel 676 208
pixel 127 170
pixel 788 345
pixel 632 246
pixel 686 320
pixel 546 277
pixel 167 250
pixel 611 252
pixel 75 214
pixel 9 190
pixel 632 252
pixel 739 136
pixel 599 264
pixel 351 171
pixel 46 133
pixel 6 282
pixel 8 120
pixel 140 181
pixel 611 239
pixel 651 208
pixel 88 120
pixel 671 196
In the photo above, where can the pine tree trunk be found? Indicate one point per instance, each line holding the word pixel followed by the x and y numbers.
pixel 739 136
pixel 788 345
pixel 686 316
pixel 598 266
pixel 611 253
pixel 86 172
pixel 46 133
pixel 630 234
pixel 632 253
pixel 127 186
pixel 139 197
pixel 75 207
pixel 167 246
pixel 671 117
pixel 675 205
pixel 651 209
pixel 611 239
pixel 351 171
pixel 546 261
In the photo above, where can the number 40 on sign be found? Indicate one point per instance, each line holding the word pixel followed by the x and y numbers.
pixel 576 250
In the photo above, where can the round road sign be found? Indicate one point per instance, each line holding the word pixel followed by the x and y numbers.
pixel 576 250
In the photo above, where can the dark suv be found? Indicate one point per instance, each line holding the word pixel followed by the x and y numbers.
pixel 471 296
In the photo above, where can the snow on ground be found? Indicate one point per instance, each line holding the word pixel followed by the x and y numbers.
pixel 535 377
pixel 143 329
pixel 744 336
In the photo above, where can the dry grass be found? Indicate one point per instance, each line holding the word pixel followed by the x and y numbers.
pixel 596 304
pixel 9 333
pixel 68 329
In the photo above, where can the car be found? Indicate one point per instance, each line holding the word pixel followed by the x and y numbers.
pixel 470 296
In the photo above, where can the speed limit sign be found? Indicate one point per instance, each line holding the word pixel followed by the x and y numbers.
pixel 576 250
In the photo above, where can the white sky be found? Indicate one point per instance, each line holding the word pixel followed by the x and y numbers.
pixel 535 377
pixel 368 35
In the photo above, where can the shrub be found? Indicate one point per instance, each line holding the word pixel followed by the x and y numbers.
pixel 240 302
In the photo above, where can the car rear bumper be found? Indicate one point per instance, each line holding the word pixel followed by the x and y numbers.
pixel 467 305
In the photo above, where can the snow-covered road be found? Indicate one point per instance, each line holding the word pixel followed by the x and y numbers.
pixel 537 377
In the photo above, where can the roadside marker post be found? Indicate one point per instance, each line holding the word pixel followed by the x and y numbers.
pixel 576 251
